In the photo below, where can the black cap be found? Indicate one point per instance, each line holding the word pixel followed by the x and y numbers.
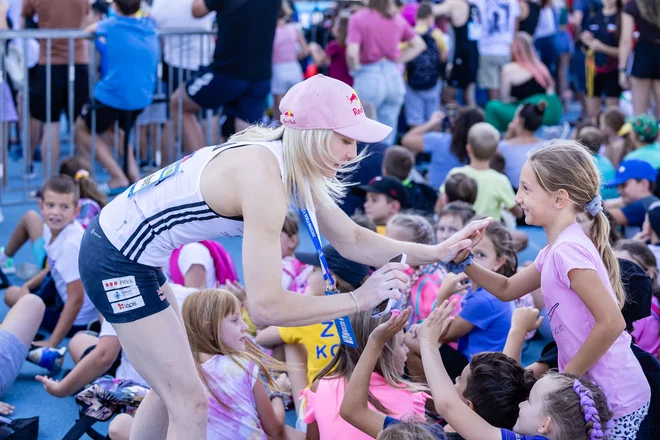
pixel 639 292
pixel 349 271
pixel 390 186
pixel 654 217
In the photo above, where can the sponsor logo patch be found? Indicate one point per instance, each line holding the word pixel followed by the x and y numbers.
pixel 127 305
pixel 118 283
pixel 123 293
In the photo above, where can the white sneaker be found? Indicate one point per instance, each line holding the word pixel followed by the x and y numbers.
pixel 6 263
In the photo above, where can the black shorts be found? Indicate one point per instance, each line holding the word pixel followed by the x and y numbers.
pixel 646 62
pixel 121 289
pixel 240 98
pixel 59 91
pixel 607 84
pixel 112 371
pixel 465 67
pixel 106 117
pixel 171 77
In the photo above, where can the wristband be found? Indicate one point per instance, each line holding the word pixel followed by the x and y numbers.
pixel 281 395
pixel 357 304
pixel 460 267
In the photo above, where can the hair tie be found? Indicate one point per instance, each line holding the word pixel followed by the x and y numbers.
pixel 81 174
pixel 594 206
pixel 590 411
pixel 625 129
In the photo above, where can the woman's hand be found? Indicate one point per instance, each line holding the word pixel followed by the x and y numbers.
pixel 386 331
pixel 387 282
pixel 52 386
pixel 452 284
pixel 462 242
pixel 435 326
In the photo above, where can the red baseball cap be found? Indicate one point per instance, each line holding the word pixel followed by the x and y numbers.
pixel 326 103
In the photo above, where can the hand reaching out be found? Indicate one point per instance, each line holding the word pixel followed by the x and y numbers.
pixel 526 319
pixel 435 326
pixel 283 383
pixel 458 246
pixel 386 331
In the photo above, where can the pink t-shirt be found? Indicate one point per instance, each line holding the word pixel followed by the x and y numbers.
pixel 233 385
pixel 618 372
pixel 285 43
pixel 378 37
pixel 322 406
pixel 647 330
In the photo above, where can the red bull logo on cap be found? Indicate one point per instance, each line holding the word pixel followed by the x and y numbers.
pixel 354 101
pixel 288 117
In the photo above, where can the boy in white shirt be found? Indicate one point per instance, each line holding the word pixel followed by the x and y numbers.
pixel 70 310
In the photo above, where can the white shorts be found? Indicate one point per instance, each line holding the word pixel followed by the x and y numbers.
pixel 285 76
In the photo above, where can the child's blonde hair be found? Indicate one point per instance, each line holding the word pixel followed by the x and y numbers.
pixel 203 313
pixel 420 229
pixel 346 358
pixel 483 139
pixel 411 431
pixel 300 166
pixel 567 165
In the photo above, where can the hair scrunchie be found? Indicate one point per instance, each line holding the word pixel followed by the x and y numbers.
pixel 590 411
pixel 81 174
pixel 594 206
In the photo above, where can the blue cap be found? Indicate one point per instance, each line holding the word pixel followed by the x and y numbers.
pixel 633 169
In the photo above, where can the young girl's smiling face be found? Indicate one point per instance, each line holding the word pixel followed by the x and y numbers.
pixel 233 331
pixel 535 201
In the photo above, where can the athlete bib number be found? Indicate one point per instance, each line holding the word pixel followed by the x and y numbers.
pixel 155 178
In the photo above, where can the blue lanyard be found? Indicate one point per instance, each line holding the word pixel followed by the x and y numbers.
pixel 327 276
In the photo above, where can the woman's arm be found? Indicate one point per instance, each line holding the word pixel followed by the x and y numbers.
pixel 625 46
pixel 505 289
pixel 353 56
pixel 304 49
pixel 269 337
pixel 319 56
pixel 354 408
pixel 599 46
pixel 367 247
pixel 91 367
pixel 416 45
pixel 414 139
pixel 445 397
pixel 609 321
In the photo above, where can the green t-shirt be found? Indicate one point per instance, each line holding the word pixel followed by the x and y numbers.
pixel 494 191
pixel 647 153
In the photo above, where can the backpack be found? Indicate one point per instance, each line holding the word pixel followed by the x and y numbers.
pixel 421 197
pixel 424 71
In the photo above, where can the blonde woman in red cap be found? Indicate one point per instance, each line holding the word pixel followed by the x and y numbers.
pixel 241 188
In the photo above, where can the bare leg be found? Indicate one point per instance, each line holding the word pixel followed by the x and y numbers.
pixel 611 102
pixel 593 105
pixel 54 134
pixel 14 293
pixel 24 318
pixel 562 74
pixel 493 94
pixel 656 94
pixel 36 128
pixel 641 94
pixel 152 408
pixel 103 154
pixel 470 98
pixel 160 340
pixel 29 227
pixel 80 342
pixel 192 135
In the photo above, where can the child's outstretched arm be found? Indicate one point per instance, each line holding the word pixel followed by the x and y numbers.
pixel 505 289
pixel 447 401
pixel 609 321
pixel 524 320
pixel 354 407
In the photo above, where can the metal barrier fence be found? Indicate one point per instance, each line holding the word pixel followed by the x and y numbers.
pixel 24 128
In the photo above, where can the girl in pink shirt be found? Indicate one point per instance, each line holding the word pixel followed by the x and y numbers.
pixel 389 393
pixel 231 368
pixel 579 278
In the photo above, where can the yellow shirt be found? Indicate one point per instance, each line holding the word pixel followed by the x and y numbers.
pixel 494 191
pixel 320 340
pixel 436 34
pixel 381 229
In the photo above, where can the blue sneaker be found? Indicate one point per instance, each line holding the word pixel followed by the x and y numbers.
pixel 46 357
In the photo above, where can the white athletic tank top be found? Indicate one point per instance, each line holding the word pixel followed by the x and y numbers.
pixel 166 210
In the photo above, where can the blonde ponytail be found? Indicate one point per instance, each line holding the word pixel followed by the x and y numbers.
pixel 600 235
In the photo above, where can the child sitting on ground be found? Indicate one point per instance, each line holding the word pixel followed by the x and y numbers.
pixel 399 162
pixel 494 190
pixel 458 188
pixel 385 197
pixel 635 181
pixel 69 310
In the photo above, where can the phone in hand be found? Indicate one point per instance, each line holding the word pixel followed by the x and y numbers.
pixel 385 306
